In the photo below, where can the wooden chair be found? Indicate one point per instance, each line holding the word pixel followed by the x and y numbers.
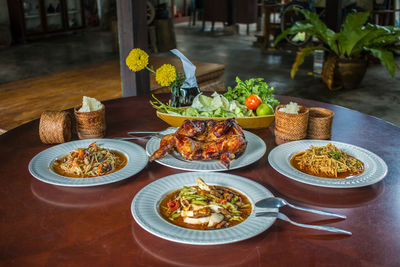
pixel 215 11
pixel 246 13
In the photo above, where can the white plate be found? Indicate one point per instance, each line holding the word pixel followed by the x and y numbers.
pixel 41 165
pixel 254 151
pixel 145 209
pixel 375 168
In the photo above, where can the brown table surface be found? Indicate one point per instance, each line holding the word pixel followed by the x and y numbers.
pixel 43 224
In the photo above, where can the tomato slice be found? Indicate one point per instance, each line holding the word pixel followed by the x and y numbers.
pixel 173 205
pixel 253 101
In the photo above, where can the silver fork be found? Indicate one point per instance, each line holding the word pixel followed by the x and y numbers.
pixel 150 134
pixel 143 132
pixel 317 227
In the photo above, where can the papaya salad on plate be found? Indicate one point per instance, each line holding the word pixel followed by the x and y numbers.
pixel 88 162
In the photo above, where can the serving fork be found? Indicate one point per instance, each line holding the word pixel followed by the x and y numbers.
pixel 317 227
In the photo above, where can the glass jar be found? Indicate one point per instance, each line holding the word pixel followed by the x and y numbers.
pixel 185 97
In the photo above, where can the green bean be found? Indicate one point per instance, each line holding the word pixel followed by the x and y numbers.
pixel 184 193
pixel 233 201
pixel 212 196
pixel 199 202
pixel 174 215
pixel 231 205
pixel 215 203
pixel 219 204
pixel 196 196
pixel 189 190
pixel 236 218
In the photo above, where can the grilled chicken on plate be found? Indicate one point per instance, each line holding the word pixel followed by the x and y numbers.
pixel 205 140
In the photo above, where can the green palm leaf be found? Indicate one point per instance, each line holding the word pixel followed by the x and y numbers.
pixel 385 40
pixel 352 32
pixel 386 58
pixel 312 25
pixel 296 28
pixel 320 28
pixel 355 38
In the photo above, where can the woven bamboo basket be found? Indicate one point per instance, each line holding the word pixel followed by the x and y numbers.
pixel 55 127
pixel 290 127
pixel 90 124
pixel 320 123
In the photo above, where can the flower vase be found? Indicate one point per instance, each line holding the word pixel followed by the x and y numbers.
pixel 185 97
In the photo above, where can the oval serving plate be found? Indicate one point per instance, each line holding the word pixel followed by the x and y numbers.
pixel 145 204
pixel 375 168
pixel 41 165
pixel 254 151
pixel 247 123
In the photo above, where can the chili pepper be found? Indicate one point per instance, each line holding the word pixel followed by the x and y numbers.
pixel 80 154
pixel 92 144
pixel 221 201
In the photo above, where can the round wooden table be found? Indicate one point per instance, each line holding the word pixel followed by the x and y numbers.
pixel 43 224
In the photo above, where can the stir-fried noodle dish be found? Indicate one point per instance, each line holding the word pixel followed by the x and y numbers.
pixel 90 162
pixel 204 207
pixel 327 161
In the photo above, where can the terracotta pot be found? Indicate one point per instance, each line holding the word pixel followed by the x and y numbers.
pixel 340 73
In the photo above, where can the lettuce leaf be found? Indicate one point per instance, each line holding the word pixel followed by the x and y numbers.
pixel 215 106
pixel 191 112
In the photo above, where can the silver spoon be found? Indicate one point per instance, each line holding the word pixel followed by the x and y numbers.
pixel 317 227
pixel 276 202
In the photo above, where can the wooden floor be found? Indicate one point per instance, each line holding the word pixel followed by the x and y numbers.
pixel 25 100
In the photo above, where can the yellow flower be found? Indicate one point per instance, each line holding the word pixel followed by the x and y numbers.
pixel 165 75
pixel 137 59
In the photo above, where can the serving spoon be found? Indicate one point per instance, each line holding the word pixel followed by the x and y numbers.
pixel 276 202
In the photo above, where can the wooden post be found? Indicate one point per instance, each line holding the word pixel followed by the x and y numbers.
pixel 231 12
pixel 334 16
pixel 132 31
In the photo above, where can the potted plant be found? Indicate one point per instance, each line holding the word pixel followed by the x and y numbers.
pixel 349 49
